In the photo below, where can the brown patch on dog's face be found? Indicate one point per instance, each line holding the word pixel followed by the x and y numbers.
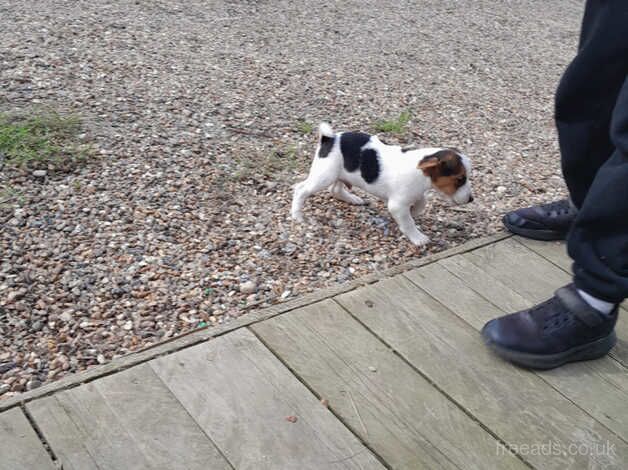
pixel 445 169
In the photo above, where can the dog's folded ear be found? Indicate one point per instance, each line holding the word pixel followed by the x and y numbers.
pixel 429 162
pixel 448 161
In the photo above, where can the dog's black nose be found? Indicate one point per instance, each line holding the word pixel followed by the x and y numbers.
pixel 470 198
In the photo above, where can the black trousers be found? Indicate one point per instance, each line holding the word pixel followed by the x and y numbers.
pixel 592 122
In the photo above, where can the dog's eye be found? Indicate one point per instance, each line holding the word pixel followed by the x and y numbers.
pixel 462 180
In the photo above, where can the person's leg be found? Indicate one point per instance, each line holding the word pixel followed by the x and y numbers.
pixel 592 119
pixel 587 94
pixel 585 99
pixel 598 242
pixel 572 325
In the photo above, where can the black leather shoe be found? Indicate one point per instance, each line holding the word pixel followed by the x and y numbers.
pixel 545 222
pixel 560 330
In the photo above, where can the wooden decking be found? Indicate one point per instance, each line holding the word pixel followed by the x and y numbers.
pixel 392 374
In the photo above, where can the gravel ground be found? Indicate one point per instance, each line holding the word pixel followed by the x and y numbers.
pixel 182 219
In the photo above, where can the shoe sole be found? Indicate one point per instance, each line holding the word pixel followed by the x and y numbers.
pixel 534 234
pixel 592 350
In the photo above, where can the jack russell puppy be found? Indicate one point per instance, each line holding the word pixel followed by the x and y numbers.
pixel 398 176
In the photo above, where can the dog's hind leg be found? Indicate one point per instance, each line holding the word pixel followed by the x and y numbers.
pixel 322 175
pixel 340 191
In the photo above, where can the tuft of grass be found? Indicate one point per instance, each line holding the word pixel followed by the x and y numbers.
pixel 41 141
pixel 394 126
pixel 304 127
pixel 267 166
pixel 9 196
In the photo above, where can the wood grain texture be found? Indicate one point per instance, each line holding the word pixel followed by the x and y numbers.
pixel 556 252
pixel 517 405
pixel 528 274
pixel 129 420
pixel 20 448
pixel 240 394
pixel 396 411
pixel 582 383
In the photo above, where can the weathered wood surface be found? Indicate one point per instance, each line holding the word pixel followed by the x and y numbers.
pixel 517 405
pixel 20 448
pixel 128 420
pixel 241 396
pixel 582 383
pixel 396 411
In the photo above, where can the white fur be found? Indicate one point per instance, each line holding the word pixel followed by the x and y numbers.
pixel 400 183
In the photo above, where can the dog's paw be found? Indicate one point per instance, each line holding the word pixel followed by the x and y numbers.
pixel 357 200
pixel 297 217
pixel 421 240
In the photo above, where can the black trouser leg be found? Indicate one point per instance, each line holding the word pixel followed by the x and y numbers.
pixel 588 91
pixel 592 122
pixel 598 242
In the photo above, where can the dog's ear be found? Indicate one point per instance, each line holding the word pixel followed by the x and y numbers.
pixel 445 162
pixel 445 169
pixel 428 162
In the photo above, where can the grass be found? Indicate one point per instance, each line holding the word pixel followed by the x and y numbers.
pixel 278 161
pixel 41 141
pixel 394 126
pixel 304 127
pixel 10 196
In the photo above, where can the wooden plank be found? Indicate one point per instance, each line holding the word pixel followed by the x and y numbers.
pixel 517 405
pixel 583 383
pixel 556 252
pixel 500 294
pixel 391 407
pixel 240 394
pixel 19 445
pixel 529 275
pixel 128 420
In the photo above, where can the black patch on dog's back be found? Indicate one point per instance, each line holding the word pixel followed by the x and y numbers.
pixel 327 143
pixel 351 144
pixel 369 165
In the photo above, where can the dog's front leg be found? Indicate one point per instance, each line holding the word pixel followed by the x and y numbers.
pixel 401 213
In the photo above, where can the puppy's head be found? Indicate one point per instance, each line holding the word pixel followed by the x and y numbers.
pixel 450 172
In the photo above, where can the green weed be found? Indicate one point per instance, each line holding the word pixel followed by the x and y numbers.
pixel 304 127
pixel 394 126
pixel 41 141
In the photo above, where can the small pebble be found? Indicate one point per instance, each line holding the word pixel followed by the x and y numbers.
pixel 248 287
pixel 33 384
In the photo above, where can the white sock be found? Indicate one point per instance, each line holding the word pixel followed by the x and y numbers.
pixel 600 305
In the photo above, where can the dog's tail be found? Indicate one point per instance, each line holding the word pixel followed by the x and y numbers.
pixel 326 131
pixel 326 140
